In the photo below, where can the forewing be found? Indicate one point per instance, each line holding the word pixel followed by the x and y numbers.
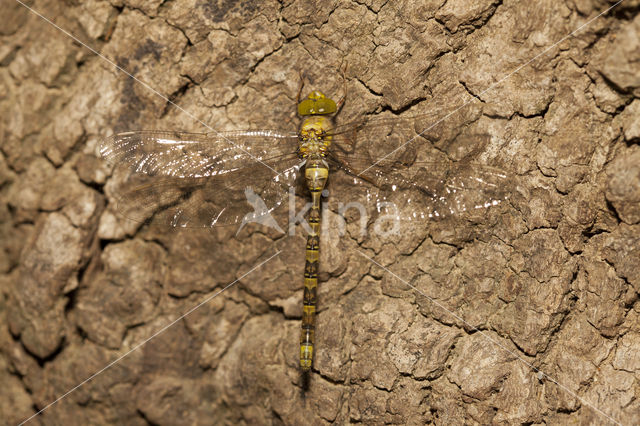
pixel 197 155
pixel 377 138
pixel 201 180
pixel 435 134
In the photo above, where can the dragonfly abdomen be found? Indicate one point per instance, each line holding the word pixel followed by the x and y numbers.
pixel 316 174
pixel 309 303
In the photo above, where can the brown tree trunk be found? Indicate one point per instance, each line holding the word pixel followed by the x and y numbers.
pixel 526 312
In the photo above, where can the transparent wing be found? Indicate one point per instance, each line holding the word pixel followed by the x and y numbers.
pixel 423 191
pixel 201 180
pixel 433 133
pixel 196 155
pixel 415 170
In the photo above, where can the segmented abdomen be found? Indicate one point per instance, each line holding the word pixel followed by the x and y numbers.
pixel 316 174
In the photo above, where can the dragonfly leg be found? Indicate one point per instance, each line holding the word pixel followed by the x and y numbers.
pixel 340 103
pixel 300 88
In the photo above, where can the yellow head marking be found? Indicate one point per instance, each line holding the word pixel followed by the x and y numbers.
pixel 317 104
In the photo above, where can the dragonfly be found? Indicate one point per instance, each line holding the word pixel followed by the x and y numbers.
pixel 206 180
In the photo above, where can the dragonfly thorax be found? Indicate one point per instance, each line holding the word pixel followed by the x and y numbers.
pixel 314 137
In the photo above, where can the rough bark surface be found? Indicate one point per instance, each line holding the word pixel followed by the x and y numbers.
pixel 531 318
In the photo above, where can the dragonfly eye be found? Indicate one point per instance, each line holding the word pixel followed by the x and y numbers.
pixel 317 104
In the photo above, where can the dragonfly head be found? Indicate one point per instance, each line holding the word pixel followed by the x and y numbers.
pixel 316 104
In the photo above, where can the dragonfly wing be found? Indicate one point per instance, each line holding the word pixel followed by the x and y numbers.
pixel 378 139
pixel 197 155
pixel 201 180
pixel 435 132
pixel 423 190
pixel 420 165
